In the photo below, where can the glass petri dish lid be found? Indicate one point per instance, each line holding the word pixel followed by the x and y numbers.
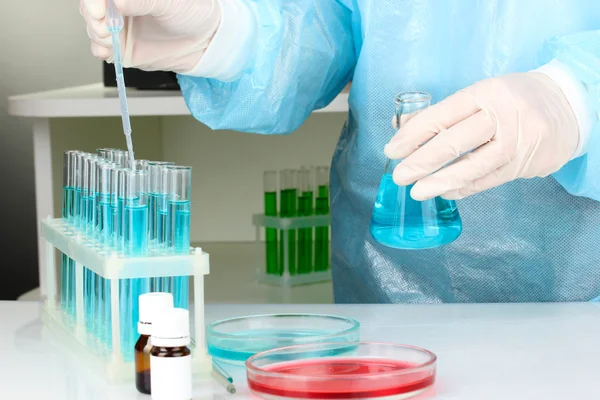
pixel 342 371
pixel 235 340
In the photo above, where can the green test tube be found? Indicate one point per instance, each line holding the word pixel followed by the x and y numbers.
pixel 270 190
pixel 288 200
pixel 305 209
pixel 322 232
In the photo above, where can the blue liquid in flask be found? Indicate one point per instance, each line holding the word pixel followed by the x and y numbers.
pixel 398 220
pixel 401 222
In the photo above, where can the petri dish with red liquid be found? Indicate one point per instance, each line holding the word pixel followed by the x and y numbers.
pixel 342 371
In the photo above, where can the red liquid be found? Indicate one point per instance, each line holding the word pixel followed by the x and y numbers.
pixel 346 378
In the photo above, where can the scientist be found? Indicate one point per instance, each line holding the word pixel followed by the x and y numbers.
pixel 517 81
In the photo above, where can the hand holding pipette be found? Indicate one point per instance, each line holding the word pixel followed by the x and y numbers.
pixel 167 35
pixel 115 23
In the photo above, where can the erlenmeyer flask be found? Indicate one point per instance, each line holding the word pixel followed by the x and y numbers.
pixel 398 220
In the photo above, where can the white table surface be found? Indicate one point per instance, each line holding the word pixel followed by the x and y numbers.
pixel 485 352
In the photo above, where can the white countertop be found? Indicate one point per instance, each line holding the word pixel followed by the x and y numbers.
pixel 485 352
pixel 97 101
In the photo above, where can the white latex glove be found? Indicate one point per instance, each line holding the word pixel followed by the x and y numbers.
pixel 167 35
pixel 520 125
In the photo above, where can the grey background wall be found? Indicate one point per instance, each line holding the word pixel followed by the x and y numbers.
pixel 43 45
pixel 48 49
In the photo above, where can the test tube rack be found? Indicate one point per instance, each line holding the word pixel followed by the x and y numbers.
pixel 287 277
pixel 113 267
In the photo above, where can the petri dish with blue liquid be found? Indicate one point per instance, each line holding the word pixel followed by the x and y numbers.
pixel 235 340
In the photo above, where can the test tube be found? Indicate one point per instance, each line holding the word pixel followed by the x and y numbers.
pixel 179 180
pixel 92 213
pixel 322 232
pixel 77 160
pixel 105 153
pixel 119 158
pixel 305 208
pixel 155 176
pixel 83 198
pixel 288 199
pixel 85 217
pixel 67 215
pixel 135 231
pixel 105 175
pixel 270 198
pixel 136 213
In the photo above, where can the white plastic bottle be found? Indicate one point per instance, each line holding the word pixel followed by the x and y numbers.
pixel 170 358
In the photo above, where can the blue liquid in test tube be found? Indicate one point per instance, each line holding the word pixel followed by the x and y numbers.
pixel 178 225
pixel 135 229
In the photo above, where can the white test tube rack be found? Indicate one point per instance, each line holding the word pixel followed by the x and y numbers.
pixel 113 268
pixel 286 224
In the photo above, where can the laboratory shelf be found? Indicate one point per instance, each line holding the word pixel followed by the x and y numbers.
pixel 72 332
pixel 95 100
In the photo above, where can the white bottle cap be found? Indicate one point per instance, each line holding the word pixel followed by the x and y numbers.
pixel 152 304
pixel 171 328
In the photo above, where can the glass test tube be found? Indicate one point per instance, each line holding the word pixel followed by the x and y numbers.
pixel 288 198
pixel 305 209
pixel 179 192
pixel 105 174
pixel 119 158
pixel 156 170
pixel 91 280
pixel 135 240
pixel 105 153
pixel 270 194
pixel 77 159
pixel 67 215
pixel 322 232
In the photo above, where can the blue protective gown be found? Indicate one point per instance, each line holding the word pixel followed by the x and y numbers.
pixel 528 240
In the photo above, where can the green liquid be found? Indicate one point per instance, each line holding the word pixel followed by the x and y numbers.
pixel 288 209
pixel 305 235
pixel 271 234
pixel 322 232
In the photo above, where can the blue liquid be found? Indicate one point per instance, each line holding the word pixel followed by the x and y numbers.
pixel 83 211
pixel 178 241
pixel 120 224
pixel 153 200
pixel 403 223
pixel 92 215
pixel 66 291
pixel 135 229
pixel 239 350
pixel 76 208
pixel 105 223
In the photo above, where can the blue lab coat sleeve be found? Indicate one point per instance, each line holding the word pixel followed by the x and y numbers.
pixel 580 52
pixel 304 57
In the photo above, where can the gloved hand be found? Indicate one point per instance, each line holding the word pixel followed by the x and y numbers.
pixel 518 126
pixel 167 35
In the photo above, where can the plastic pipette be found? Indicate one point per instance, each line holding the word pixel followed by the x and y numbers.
pixel 115 23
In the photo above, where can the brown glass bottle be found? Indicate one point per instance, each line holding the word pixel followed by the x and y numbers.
pixel 142 364
pixel 150 305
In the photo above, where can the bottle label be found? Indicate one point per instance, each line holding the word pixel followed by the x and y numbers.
pixel 171 378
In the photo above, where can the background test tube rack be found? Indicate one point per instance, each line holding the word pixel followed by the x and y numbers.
pixel 286 225
pixel 113 268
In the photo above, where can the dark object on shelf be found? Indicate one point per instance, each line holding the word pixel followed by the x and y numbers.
pixel 142 80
